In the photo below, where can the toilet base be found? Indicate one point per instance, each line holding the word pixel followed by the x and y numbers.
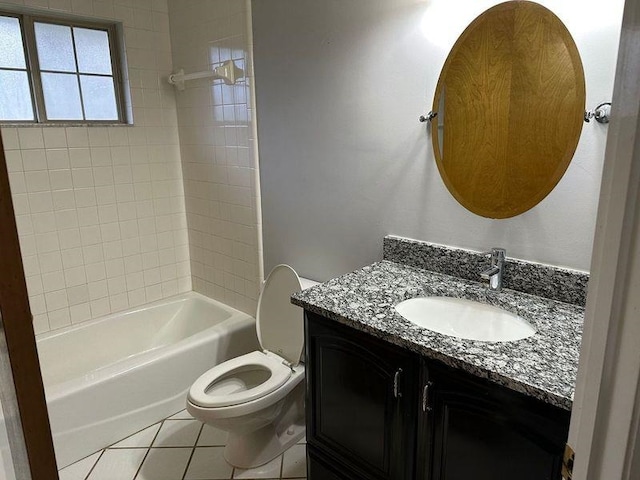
pixel 261 446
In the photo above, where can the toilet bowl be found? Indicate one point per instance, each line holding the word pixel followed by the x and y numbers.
pixel 259 397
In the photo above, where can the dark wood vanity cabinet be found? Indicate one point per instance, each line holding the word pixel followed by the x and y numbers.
pixel 360 395
pixel 376 411
pixel 477 429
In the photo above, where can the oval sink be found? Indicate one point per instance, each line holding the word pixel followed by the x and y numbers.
pixel 458 317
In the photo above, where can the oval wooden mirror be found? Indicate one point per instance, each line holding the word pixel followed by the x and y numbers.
pixel 510 103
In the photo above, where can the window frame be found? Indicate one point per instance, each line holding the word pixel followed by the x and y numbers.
pixel 34 72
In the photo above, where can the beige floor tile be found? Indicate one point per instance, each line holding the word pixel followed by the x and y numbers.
pixel 142 439
pixel 212 437
pixel 269 470
pixel 164 464
pixel 294 462
pixel 208 463
pixel 80 469
pixel 178 433
pixel 181 415
pixel 118 464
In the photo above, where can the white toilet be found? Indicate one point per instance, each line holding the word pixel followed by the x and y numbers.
pixel 259 397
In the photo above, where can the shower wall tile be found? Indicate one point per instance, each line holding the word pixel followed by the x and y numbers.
pixel 100 210
pixel 218 150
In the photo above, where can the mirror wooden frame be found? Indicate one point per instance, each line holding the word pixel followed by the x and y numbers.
pixel 511 101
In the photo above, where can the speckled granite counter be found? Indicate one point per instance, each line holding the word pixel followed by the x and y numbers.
pixel 543 366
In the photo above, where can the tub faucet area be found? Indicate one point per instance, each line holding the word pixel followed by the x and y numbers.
pixel 494 272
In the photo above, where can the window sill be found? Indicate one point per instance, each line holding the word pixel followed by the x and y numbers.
pixel 62 125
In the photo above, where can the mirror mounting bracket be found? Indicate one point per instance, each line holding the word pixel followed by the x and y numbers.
pixel 601 113
pixel 428 117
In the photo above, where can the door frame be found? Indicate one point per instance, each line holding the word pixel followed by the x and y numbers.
pixel 605 419
pixel 22 392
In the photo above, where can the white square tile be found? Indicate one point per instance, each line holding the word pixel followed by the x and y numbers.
pixel 93 253
pixel 80 313
pixel 268 470
pixel 85 197
pixel 294 462
pixel 14 161
pixel 80 469
pixel 119 302
pixel 177 433
pixel 79 157
pixel 75 276
pixel 96 272
pixel 59 319
pixel 66 219
pixel 30 138
pixel 69 238
pixel 100 307
pixel 37 181
pixel 56 300
pixel 10 138
pixel 164 464
pixel 77 137
pixel 40 202
pixel 78 295
pixel 208 463
pixel 118 464
pixel 212 437
pixel 54 138
pixel 50 262
pixel 141 439
pixel 57 158
pixel 52 281
pixel 62 199
pixel 41 323
pixel 43 222
pixel 100 156
pixel 99 136
pixel 82 177
pixel 60 179
pixel 34 160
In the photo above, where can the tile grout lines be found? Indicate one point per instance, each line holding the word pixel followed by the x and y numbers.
pixel 149 445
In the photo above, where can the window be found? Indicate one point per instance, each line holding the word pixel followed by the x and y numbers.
pixel 56 71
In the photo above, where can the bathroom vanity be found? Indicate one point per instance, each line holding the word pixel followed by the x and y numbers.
pixel 387 399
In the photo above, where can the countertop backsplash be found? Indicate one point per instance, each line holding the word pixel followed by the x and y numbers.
pixel 564 285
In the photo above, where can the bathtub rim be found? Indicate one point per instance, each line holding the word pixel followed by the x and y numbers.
pixel 235 321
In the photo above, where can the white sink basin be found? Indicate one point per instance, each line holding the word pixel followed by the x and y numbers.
pixel 467 319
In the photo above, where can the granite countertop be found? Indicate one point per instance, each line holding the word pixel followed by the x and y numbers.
pixel 543 366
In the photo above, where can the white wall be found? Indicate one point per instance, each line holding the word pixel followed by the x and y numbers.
pixel 217 144
pixel 100 210
pixel 343 159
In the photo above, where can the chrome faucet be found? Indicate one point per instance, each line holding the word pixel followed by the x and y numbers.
pixel 494 272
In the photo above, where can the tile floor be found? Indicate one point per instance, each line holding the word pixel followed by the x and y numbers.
pixel 179 448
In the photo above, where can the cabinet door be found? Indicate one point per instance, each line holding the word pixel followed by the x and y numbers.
pixel 319 467
pixel 361 400
pixel 484 431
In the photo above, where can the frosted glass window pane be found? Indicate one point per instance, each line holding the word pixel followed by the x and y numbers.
pixel 55 47
pixel 61 96
pixel 15 96
pixel 11 50
pixel 92 48
pixel 99 98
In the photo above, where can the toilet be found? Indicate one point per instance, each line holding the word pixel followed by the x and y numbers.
pixel 259 397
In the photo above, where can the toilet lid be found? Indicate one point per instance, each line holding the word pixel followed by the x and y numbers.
pixel 279 323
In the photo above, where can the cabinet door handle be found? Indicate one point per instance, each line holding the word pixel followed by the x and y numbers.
pixel 396 384
pixel 425 397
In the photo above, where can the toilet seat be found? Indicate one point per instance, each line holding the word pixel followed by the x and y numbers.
pixel 278 372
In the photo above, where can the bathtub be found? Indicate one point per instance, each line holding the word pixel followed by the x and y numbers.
pixel 108 378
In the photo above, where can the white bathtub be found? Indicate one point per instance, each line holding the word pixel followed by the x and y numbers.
pixel 108 378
